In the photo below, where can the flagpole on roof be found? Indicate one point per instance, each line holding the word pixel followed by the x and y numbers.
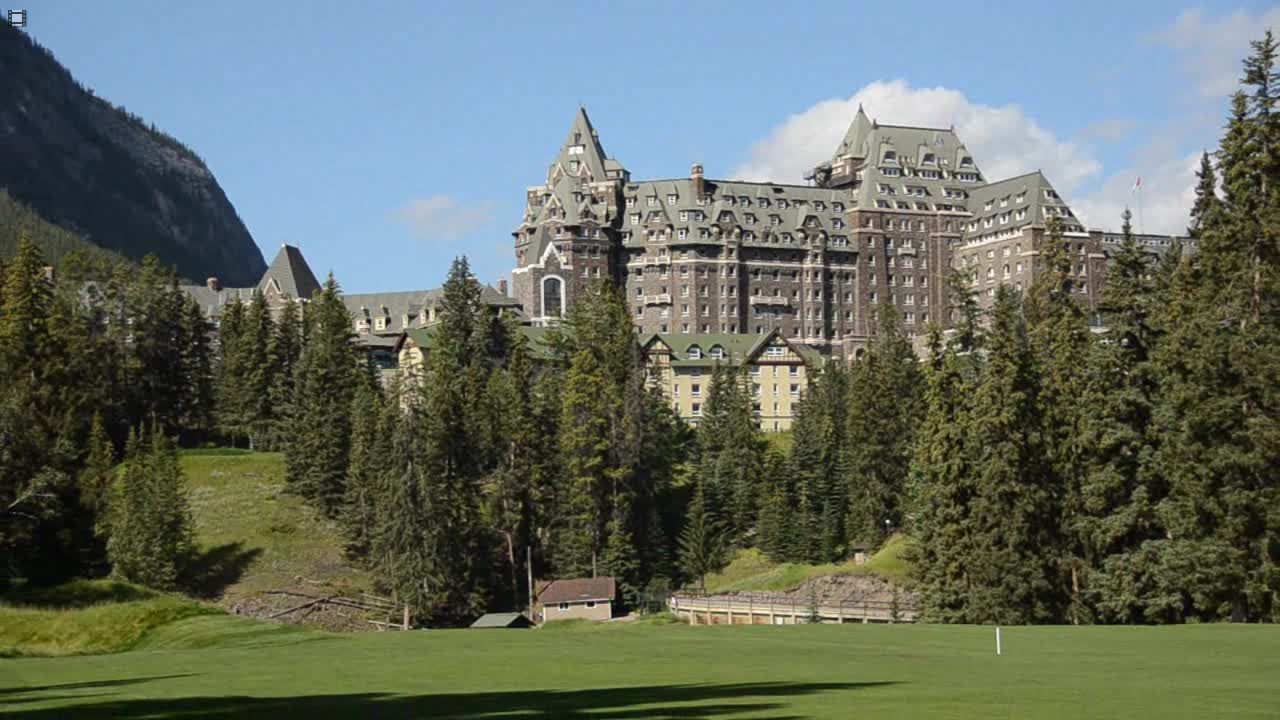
pixel 1137 188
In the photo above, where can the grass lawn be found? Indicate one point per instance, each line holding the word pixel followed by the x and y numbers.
pixel 228 667
pixel 751 570
pixel 254 536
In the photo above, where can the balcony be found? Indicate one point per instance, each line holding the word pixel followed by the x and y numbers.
pixel 769 300
pixel 663 299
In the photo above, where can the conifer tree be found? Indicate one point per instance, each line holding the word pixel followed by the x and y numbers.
pixel 1014 559
pixel 943 489
pixel 703 547
pixel 457 545
pixel 370 450
pixel 151 521
pixel 885 409
pixel 819 493
pixel 1060 342
pixel 776 533
pixel 732 453
pixel 317 457
pixel 283 353
pixel 1115 516
pixel 584 455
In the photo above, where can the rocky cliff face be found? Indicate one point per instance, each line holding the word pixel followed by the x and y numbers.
pixel 104 174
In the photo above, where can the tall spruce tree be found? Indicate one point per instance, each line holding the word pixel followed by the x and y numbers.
pixel 1215 422
pixel 317 456
pixel 943 489
pixel 731 452
pixel 885 409
pixel 1060 341
pixel 1114 520
pixel 703 545
pixel 452 465
pixel 819 490
pixel 1013 562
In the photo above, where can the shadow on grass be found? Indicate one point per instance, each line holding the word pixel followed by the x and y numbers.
pixel 210 572
pixel 670 701
pixel 79 594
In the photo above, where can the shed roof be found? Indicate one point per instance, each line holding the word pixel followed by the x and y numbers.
pixel 578 590
pixel 501 620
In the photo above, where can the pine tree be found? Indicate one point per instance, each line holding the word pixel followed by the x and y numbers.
pixel 820 493
pixel 370 449
pixel 317 457
pixel 703 546
pixel 255 385
pixel 775 535
pixel 1115 515
pixel 196 407
pixel 230 371
pixel 150 525
pixel 1014 558
pixel 1060 341
pixel 885 409
pixel 283 353
pixel 453 463
pixel 943 489
pixel 732 453
pixel 1214 424
pixel 584 456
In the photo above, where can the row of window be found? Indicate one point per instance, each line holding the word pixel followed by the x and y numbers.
pixel 743 201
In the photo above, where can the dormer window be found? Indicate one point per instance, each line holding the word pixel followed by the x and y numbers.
pixel 890 156
pixel 695 352
pixel 576 149
pixel 837 207
pixel 717 352
pixel 966 161
pixel 929 158
pixel 671 199
pixel 652 200
pixel 573 166
pixel 631 202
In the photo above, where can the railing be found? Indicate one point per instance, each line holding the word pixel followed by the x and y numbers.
pixel 768 300
pixel 753 610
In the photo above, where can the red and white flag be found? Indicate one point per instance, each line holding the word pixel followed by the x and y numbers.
pixel 1137 185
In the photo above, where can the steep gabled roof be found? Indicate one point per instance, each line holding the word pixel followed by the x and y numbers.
pixel 291 273
pixel 583 144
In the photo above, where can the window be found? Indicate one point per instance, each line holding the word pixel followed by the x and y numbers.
pixel 696 408
pixel 573 166
pixel 591 603
pixel 671 199
pixel 717 352
pixel 695 352
pixel 563 606
pixel 795 390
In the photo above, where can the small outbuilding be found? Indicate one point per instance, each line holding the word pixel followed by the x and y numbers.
pixel 501 620
pixel 578 598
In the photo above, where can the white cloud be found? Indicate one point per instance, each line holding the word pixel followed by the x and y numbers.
pixel 1211 49
pixel 1162 206
pixel 1003 140
pixel 442 217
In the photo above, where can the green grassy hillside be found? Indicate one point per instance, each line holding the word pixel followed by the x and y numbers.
pixel 750 570
pixel 253 536
pixel 226 668
pixel 88 618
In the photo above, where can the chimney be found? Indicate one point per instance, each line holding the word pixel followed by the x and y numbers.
pixel 699 186
pixel 502 287
pixel 213 284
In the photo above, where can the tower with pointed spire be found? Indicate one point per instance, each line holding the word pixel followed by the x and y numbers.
pixel 568 236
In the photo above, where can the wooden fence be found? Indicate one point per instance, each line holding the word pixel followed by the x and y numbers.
pixel 785 610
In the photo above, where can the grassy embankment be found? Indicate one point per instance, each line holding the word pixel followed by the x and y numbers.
pixel 751 570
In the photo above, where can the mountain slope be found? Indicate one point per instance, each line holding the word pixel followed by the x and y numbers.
pixel 102 173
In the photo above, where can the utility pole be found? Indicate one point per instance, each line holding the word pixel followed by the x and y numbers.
pixel 528 564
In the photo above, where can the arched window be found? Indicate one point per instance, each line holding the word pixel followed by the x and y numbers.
pixel 552 296
pixel 695 352
pixel 717 352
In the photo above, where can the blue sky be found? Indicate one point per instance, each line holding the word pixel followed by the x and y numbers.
pixel 385 138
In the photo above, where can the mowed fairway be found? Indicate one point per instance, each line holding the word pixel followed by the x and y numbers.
pixel 232 667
